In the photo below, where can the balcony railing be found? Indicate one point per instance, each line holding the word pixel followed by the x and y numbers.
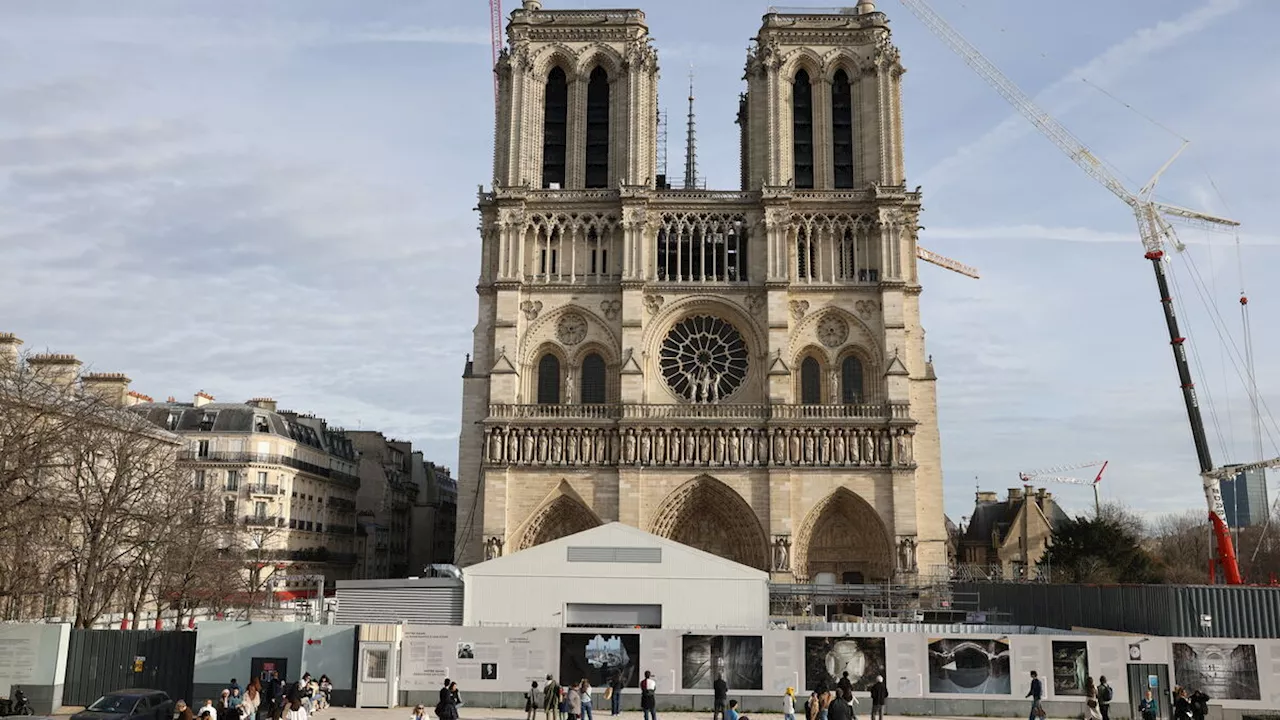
pixel 263 521
pixel 269 490
pixel 270 459
pixel 314 555
pixel 338 503
pixel 341 529
pixel 690 411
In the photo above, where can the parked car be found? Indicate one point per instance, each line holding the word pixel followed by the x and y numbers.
pixel 134 704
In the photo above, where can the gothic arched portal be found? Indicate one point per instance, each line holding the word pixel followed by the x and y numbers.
pixel 843 535
pixel 706 514
pixel 561 514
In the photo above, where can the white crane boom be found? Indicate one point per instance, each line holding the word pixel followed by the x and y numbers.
pixel 1052 129
pixel 945 262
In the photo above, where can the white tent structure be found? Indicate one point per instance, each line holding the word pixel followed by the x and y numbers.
pixel 615 576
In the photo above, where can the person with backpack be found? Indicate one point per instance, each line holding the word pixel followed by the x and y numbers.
pixel 1105 693
pixel 1200 705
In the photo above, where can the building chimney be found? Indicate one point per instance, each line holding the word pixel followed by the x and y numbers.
pixel 263 403
pixel 866 7
pixel 55 368
pixel 202 398
pixel 986 496
pixel 133 397
pixel 531 5
pixel 9 344
pixel 1015 493
pixel 112 388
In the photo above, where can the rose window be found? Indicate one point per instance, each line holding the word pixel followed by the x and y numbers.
pixel 703 359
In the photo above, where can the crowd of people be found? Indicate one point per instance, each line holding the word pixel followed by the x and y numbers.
pixel 274 699
pixel 1187 705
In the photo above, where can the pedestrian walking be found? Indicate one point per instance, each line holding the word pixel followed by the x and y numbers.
pixel 419 712
pixel 1181 704
pixel 1035 693
pixel 731 710
pixel 844 683
pixel 447 706
pixel 789 704
pixel 1092 711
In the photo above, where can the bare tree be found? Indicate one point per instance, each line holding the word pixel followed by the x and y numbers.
pixel 1183 543
pixel 117 467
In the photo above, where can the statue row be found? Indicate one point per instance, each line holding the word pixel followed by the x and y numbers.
pixel 780 446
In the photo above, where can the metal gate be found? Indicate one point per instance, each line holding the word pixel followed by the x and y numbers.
pixel 100 661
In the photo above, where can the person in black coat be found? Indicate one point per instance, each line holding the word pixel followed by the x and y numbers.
pixel 844 683
pixel 1199 705
pixel 879 694
pixel 721 690
pixel 447 708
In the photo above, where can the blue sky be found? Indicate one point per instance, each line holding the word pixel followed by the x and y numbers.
pixel 277 199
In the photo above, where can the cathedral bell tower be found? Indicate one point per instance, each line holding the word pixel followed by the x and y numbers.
pixel 742 371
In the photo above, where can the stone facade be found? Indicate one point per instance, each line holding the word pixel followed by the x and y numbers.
pixel 288 479
pixel 743 371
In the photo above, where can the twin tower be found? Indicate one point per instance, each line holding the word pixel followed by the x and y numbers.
pixel 741 371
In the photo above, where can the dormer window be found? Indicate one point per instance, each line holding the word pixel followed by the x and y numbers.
pixel 174 417
pixel 260 424
pixel 206 421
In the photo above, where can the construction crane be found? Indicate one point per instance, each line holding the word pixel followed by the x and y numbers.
pixel 495 39
pixel 945 262
pixel 1154 230
pixel 1052 475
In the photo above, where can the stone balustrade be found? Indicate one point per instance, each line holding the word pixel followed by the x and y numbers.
pixel 620 445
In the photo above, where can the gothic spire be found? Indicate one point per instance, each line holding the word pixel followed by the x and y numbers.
pixel 690 148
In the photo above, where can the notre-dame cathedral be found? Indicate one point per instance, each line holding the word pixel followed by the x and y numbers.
pixel 742 371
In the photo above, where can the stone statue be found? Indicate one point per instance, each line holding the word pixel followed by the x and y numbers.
pixel 646 447
pixel 837 447
pixel 824 447
pixel 557 447
pixel 660 447
pixel 907 555
pixel 734 455
pixel 781 553
pixel 493 548
pixel 571 447
pixel 885 448
pixel 868 448
pixel 526 453
pixel 629 448
pixel 718 454
pixel 542 446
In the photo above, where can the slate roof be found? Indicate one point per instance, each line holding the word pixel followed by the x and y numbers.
pixel 999 515
pixel 186 418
